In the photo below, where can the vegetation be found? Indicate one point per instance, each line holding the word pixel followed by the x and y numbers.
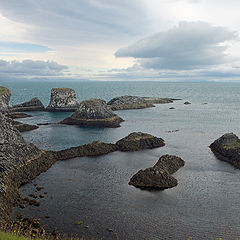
pixel 4 90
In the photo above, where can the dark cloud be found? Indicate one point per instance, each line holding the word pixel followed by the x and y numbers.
pixel 30 69
pixel 190 45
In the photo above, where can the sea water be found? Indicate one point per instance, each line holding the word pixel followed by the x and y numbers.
pixel 95 190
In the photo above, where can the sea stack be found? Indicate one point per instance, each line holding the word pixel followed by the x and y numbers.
pixel 137 141
pixel 227 148
pixel 33 105
pixel 63 99
pixel 94 113
pixel 159 176
pixel 5 95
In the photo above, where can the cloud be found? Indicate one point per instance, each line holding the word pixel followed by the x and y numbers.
pixel 190 45
pixel 30 69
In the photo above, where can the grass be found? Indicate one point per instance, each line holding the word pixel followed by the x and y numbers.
pixel 4 90
pixel 11 236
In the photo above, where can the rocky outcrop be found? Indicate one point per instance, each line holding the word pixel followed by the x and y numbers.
pixel 23 127
pixel 137 141
pixel 5 95
pixel 158 176
pixel 227 148
pixel 187 103
pixel 33 105
pixel 128 102
pixel 63 99
pixel 93 113
pixel 15 115
pixel 134 102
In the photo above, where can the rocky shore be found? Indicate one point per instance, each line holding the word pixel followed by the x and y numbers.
pixel 227 148
pixel 5 95
pixel 33 105
pixel 63 99
pixel 159 176
pixel 94 113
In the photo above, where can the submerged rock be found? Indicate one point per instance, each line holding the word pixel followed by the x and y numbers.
pixel 63 99
pixel 137 141
pixel 155 100
pixel 128 102
pixel 93 113
pixel 187 103
pixel 15 115
pixel 227 148
pixel 158 176
pixel 33 105
pixel 5 95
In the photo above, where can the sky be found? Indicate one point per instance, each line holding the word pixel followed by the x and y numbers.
pixel 135 40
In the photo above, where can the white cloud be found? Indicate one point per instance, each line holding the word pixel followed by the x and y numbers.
pixel 190 45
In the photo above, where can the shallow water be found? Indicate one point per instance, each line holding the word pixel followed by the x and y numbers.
pixel 204 205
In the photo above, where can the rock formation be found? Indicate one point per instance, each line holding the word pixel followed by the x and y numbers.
pixel 134 102
pixel 93 113
pixel 137 141
pixel 128 102
pixel 15 115
pixel 187 103
pixel 227 148
pixel 5 95
pixel 63 99
pixel 23 127
pixel 158 176
pixel 33 105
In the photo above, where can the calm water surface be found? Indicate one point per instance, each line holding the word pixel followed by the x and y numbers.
pixel 205 204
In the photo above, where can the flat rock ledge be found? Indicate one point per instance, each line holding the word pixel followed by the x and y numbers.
pixel 5 95
pixel 227 148
pixel 137 141
pixel 63 100
pixel 33 105
pixel 94 113
pixel 135 102
pixel 159 176
pixel 14 115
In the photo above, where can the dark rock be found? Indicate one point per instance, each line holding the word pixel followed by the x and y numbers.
pixel 93 113
pixel 23 127
pixel 39 188
pixel 171 108
pixel 186 103
pixel 14 115
pixel 32 195
pixel 63 99
pixel 5 95
pixel 33 105
pixel 158 176
pixel 227 148
pixel 137 141
pixel 155 100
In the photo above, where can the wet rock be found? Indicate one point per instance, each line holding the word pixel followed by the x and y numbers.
pixel 33 105
pixel 137 141
pixel 5 95
pixel 63 99
pixel 14 115
pixel 39 188
pixel 93 113
pixel 41 196
pixel 32 195
pixel 227 148
pixel 158 176
pixel 186 103
pixel 171 108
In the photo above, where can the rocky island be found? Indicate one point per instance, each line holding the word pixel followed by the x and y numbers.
pixel 137 141
pixel 159 176
pixel 94 113
pixel 227 148
pixel 33 105
pixel 135 102
pixel 63 99
pixel 5 95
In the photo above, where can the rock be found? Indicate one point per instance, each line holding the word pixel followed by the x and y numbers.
pixel 137 141
pixel 227 148
pixel 33 105
pixel 63 99
pixel 154 100
pixel 186 103
pixel 93 113
pixel 171 108
pixel 128 102
pixel 39 188
pixel 15 115
pixel 23 127
pixel 5 95
pixel 158 176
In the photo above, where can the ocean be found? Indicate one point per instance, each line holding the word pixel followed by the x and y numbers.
pixel 95 190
